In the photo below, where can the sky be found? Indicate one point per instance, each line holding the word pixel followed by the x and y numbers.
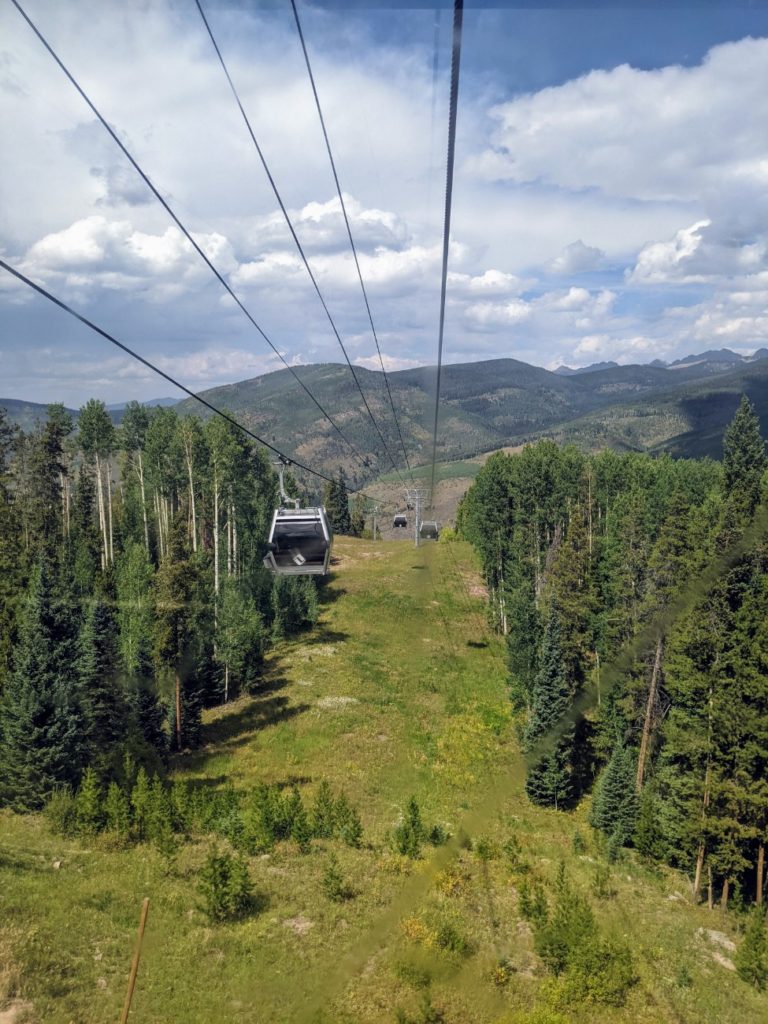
pixel 610 199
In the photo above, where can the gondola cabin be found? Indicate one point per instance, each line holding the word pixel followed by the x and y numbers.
pixel 400 521
pixel 300 541
pixel 429 530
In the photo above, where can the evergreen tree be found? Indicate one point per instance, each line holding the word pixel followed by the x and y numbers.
pixel 40 715
pixel 744 459
pixel 324 812
pixel 615 802
pixel 103 699
pixel 752 955
pixel 548 781
pixel 117 811
pixel 89 809
pixel 552 690
pixel 336 500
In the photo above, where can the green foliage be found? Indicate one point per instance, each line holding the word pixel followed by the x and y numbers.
pixel 59 811
pixel 225 886
pixel 615 804
pixel 600 972
pixel 334 886
pixel 324 812
pixel 410 834
pixel 89 810
pixel 569 928
pixel 752 955
pixel 349 828
pixel 532 902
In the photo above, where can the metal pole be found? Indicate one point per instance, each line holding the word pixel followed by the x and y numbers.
pixel 418 513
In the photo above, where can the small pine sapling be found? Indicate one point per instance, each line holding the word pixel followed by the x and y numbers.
pixel 89 809
pixel 117 809
pixel 752 955
pixel 334 886
pixel 349 828
pixel 324 812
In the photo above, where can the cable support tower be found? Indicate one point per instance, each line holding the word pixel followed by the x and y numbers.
pixel 458 11
pixel 295 237
pixel 163 202
pixel 349 231
pixel 417 498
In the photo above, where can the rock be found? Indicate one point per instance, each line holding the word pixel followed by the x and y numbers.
pixel 56 865
pixel 717 938
pixel 299 925
pixel 102 983
pixel 723 961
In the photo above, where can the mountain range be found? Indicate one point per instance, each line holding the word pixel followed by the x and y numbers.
pixel 682 408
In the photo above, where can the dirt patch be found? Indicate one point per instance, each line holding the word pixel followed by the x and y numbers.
pixel 336 702
pixel 15 1012
pixel 729 965
pixel 299 925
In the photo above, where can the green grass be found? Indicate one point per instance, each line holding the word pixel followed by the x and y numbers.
pixel 403 639
pixel 443 471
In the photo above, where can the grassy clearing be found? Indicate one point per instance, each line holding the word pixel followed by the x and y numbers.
pixel 400 691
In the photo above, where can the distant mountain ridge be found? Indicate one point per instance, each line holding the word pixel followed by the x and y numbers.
pixel 720 360
pixel 682 408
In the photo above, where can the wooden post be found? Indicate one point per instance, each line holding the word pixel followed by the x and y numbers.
pixel 135 961
pixel 760 871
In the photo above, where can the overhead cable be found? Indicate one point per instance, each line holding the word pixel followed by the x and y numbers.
pixel 156 369
pixel 291 228
pixel 458 11
pixel 349 229
pixel 163 202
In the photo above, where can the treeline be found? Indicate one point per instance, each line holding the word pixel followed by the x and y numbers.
pixel 585 557
pixel 132 590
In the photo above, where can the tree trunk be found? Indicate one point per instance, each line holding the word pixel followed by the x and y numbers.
pixel 178 710
pixel 143 501
pixel 109 507
pixel 102 515
pixel 760 874
pixel 710 889
pixel 229 540
pixel 724 896
pixel 215 534
pixel 705 803
pixel 158 517
pixel 651 703
pixel 226 682
pixel 192 499
pixel 234 543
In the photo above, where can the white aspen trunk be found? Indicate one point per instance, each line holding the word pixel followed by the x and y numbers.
pixel 191 497
pixel 234 543
pixel 215 533
pixel 226 682
pixel 102 516
pixel 159 519
pixel 140 471
pixel 63 489
pixel 109 507
pixel 229 540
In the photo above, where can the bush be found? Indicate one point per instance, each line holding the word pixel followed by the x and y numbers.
pixel 570 928
pixel 752 954
pixel 601 883
pixel 225 886
pixel 324 812
pixel 88 804
pixel 60 812
pixel 450 939
pixel 349 828
pixel 410 833
pixel 601 972
pixel 533 902
pixel 334 886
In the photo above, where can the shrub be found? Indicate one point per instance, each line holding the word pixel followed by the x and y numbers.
pixel 601 883
pixel 349 828
pixel 579 843
pixel 752 954
pixel 117 810
pixel 334 886
pixel 88 804
pixel 60 811
pixel 225 886
pixel 324 812
pixel 533 902
pixel 600 972
pixel 410 833
pixel 450 939
pixel 570 928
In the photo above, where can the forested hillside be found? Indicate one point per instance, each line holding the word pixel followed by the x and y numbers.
pixel 636 589
pixel 132 593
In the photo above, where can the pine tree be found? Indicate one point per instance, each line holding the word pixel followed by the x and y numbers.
pixel 104 704
pixel 548 781
pixel 117 811
pixel 324 812
pixel 744 459
pixel 141 804
pixel 40 716
pixel 336 501
pixel 551 689
pixel 752 955
pixel 615 802
pixel 89 800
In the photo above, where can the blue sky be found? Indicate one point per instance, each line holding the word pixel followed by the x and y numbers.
pixel 610 197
